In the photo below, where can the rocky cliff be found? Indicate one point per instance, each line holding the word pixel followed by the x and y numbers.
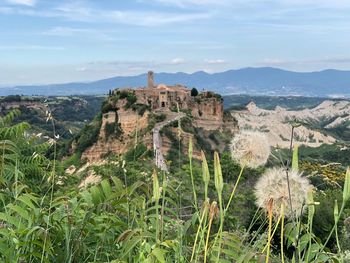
pixel 128 121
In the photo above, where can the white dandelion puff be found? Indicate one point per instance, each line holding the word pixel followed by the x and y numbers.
pixel 273 185
pixel 250 148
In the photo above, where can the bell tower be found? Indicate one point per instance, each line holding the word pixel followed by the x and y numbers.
pixel 150 81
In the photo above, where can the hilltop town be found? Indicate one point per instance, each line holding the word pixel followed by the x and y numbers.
pixel 131 115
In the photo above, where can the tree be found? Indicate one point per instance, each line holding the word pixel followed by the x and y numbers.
pixel 194 92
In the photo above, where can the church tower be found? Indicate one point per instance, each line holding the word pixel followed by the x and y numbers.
pixel 150 81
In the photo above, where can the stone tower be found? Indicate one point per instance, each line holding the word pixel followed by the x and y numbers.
pixel 150 81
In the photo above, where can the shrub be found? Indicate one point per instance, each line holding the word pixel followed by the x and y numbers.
pixel 106 107
pixel 135 153
pixel 160 117
pixel 131 99
pixel 140 108
pixel 113 129
pixel 89 135
pixel 194 92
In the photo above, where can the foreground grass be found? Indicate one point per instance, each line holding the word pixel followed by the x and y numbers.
pixel 136 214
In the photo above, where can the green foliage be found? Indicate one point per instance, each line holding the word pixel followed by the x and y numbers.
pixel 135 153
pixel 89 135
pixel 74 159
pixel 139 214
pixel 140 108
pixel 113 129
pixel 106 107
pixel 341 131
pixel 160 117
pixel 12 98
pixel 194 92
pixel 326 154
pixel 130 100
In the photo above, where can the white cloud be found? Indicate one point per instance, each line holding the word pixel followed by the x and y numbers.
pixel 65 31
pixel 31 47
pixel 79 11
pixel 189 3
pixel 215 61
pixel 177 61
pixel 139 18
pixel 317 3
pixel 81 69
pixel 22 2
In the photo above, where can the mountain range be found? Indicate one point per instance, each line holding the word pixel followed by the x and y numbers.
pixel 254 81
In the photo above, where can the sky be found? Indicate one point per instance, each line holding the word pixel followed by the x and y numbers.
pixel 58 41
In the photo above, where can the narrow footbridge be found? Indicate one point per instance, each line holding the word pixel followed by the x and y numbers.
pixel 157 139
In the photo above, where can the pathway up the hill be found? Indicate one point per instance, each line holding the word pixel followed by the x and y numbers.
pixel 157 140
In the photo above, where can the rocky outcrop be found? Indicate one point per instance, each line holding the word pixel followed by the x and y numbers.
pixel 277 123
pixel 129 121
pixel 130 110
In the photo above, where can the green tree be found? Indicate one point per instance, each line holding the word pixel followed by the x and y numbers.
pixel 194 92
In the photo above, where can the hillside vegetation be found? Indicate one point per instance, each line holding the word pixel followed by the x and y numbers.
pixel 216 209
pixel 71 113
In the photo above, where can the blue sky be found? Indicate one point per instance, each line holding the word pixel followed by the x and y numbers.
pixel 50 41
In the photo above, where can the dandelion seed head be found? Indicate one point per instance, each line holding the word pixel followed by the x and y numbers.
pixel 273 185
pixel 250 148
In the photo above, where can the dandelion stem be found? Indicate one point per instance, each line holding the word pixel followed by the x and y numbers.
pixel 282 233
pixel 334 227
pixel 291 151
pixel 234 188
pixel 163 206
pixel 198 230
pixel 222 212
pixel 202 235
pixel 207 239
pixel 192 181
pixel 274 230
pixel 270 230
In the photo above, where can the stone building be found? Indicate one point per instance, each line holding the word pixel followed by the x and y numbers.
pixel 162 96
pixel 206 106
pixel 204 110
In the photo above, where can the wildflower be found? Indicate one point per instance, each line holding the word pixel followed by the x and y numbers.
pixel 250 148
pixel 213 210
pixel 273 185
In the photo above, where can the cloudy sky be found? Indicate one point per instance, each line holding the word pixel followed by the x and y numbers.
pixel 51 41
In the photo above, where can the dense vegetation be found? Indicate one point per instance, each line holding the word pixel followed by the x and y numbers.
pixel 203 211
pixel 71 113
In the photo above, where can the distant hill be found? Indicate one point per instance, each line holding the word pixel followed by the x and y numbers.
pixel 255 81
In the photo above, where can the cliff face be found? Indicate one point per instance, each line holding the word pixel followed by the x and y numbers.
pixel 118 131
pixel 208 112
